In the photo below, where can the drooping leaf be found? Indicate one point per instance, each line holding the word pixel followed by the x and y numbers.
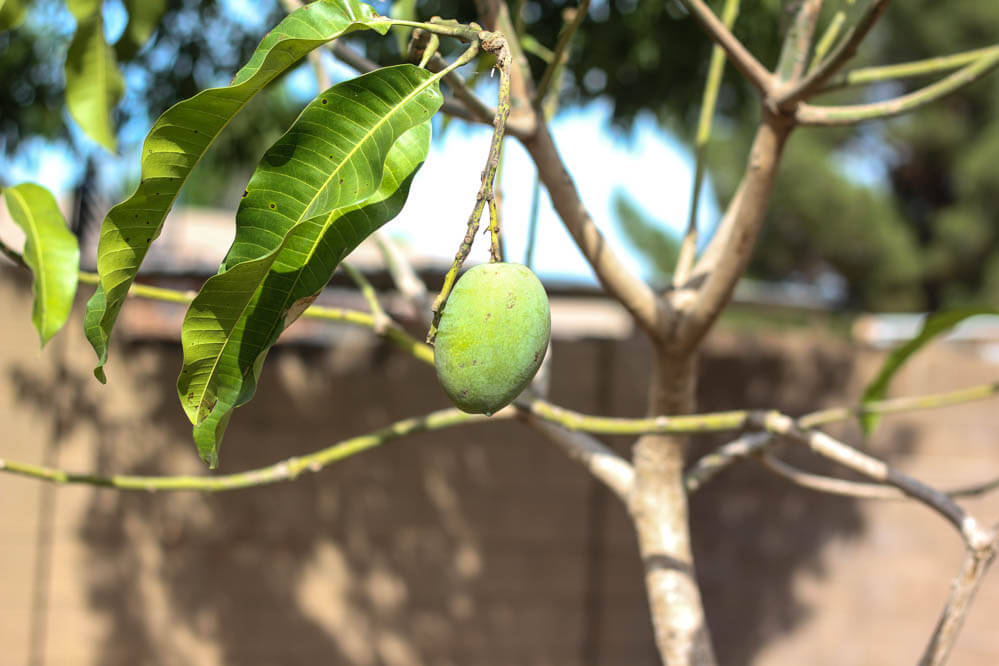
pixel 240 313
pixel 93 83
pixel 179 139
pixel 934 326
pixel 143 16
pixel 50 251
pixel 12 13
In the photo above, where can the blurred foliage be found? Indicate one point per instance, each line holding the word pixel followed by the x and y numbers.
pixel 648 236
pixel 902 209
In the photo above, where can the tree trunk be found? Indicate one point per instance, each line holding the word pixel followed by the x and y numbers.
pixel 659 509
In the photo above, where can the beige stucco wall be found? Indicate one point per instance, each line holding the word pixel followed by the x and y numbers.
pixel 480 545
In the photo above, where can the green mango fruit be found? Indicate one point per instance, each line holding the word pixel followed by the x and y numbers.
pixel 492 336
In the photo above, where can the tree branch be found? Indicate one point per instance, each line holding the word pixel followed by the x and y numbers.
pixel 708 466
pixel 833 449
pixel 865 75
pixel 602 462
pixel 286 470
pixel 688 248
pixel 799 90
pixel 973 568
pixel 615 277
pixel 724 262
pixel 858 489
pixel 827 116
pixel 744 61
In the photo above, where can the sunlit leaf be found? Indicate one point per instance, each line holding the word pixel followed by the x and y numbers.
pixel 934 326
pixel 179 139
pixel 240 313
pixel 50 251
pixel 350 157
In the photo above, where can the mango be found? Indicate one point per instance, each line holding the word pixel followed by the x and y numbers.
pixel 492 336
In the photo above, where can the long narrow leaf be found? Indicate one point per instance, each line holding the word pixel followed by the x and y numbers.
pixel 240 313
pixel 93 83
pixel 934 326
pixel 179 139
pixel 50 251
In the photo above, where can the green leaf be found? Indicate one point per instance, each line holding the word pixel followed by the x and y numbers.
pixel 50 251
pixel 12 13
pixel 93 83
pixel 179 139
pixel 240 313
pixel 934 326
pixel 83 9
pixel 143 17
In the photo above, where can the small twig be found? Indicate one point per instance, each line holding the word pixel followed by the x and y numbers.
pixel 804 88
pixel 744 61
pixel 709 465
pixel 688 248
pixel 404 277
pixel 12 254
pixel 286 470
pixel 382 320
pixel 561 53
pixel 858 489
pixel 898 405
pixel 496 44
pixel 828 38
pixel 905 70
pixel 827 116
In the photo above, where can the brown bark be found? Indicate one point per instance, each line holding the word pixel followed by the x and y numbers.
pixel 659 510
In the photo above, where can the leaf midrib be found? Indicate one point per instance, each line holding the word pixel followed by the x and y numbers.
pixel 274 253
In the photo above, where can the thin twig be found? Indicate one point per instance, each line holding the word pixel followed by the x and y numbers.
pixel 286 470
pixel 708 466
pixel 12 254
pixel 382 320
pixel 496 44
pixel 804 88
pixel 688 248
pixel 744 61
pixel 859 489
pixel 404 276
pixel 905 70
pixel 561 53
pixel 898 405
pixel 828 37
pixel 827 116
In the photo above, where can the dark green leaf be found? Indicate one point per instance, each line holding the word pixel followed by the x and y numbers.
pixel 50 251
pixel 283 255
pixel 93 83
pixel 12 13
pixel 179 139
pixel 934 326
